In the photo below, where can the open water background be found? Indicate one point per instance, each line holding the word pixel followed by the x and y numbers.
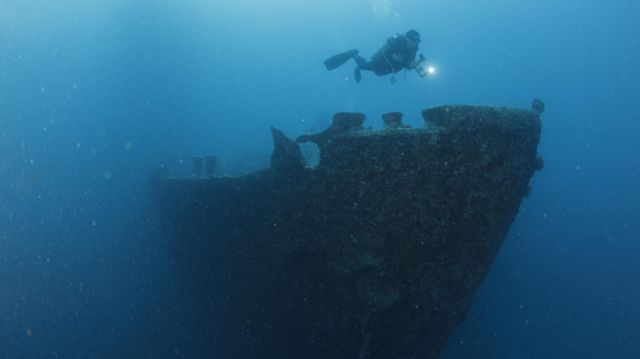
pixel 94 95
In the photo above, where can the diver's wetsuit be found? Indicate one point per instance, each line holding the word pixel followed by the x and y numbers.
pixel 398 53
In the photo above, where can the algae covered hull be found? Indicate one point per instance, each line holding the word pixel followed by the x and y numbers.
pixel 374 253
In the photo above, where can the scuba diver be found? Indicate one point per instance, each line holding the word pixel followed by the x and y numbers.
pixel 397 53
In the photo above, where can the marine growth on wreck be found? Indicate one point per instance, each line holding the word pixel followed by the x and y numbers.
pixel 376 252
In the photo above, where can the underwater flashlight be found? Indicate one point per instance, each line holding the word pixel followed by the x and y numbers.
pixel 423 69
pixel 426 70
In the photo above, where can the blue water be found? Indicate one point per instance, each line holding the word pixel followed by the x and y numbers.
pixel 94 95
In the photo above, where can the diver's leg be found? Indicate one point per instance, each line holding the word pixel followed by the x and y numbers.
pixel 366 66
pixel 362 65
pixel 359 59
pixel 356 74
pixel 338 60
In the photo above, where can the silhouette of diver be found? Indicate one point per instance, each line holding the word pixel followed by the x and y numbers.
pixel 397 53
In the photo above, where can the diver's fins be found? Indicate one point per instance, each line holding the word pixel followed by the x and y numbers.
pixel 357 75
pixel 338 60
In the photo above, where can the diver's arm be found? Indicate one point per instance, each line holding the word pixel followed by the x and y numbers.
pixel 413 65
pixel 417 65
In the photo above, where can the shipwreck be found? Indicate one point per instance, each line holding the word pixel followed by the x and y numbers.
pixel 375 253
